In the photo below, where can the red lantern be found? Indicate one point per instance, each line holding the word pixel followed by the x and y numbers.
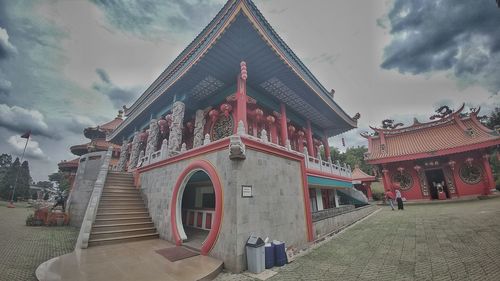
pixel 401 169
pixel 144 136
pixel 169 119
pixel 270 119
pixel 259 114
pixel 452 164
pixel 469 161
pixel 226 108
pixel 189 126
pixel 417 168
pixel 291 129
pixel 213 114
pixel 162 123
pixel 301 134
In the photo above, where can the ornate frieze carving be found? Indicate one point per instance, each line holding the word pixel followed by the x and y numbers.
pixel 122 162
pixel 134 153
pixel 199 124
pixel 175 138
pixel 423 182
pixel 236 148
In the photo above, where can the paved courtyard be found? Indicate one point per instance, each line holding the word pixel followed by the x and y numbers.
pixel 455 241
pixel 23 248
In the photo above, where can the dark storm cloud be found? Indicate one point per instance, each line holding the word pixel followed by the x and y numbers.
pixel 20 120
pixel 155 17
pixel 461 36
pixel 117 95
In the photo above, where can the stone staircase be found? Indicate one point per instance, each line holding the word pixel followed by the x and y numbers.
pixel 121 215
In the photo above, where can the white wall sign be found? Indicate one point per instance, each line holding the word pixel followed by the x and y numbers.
pixel 246 191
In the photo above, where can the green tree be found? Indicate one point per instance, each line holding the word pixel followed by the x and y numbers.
pixel 61 179
pixel 355 156
pixel 494 118
pixel 7 182
pixel 24 181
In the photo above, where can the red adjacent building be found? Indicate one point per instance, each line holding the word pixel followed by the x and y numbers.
pixel 442 159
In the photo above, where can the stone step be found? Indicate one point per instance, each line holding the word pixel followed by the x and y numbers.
pixel 113 195
pixel 115 176
pixel 120 174
pixel 119 204
pixel 120 187
pixel 123 199
pixel 121 215
pixel 108 210
pixel 121 220
pixel 121 239
pixel 119 183
pixel 121 226
pixel 120 233
pixel 120 190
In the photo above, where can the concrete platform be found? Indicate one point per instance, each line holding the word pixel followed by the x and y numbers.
pixel 127 261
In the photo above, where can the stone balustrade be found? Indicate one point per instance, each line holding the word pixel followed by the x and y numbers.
pixel 328 167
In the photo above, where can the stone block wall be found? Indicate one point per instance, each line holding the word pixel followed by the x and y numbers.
pixel 275 210
pixel 331 224
pixel 86 175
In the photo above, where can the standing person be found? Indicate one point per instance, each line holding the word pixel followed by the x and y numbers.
pixel 399 200
pixel 389 196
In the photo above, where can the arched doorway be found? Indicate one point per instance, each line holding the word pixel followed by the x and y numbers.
pixel 196 211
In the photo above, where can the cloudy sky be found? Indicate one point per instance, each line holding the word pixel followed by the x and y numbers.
pixel 66 65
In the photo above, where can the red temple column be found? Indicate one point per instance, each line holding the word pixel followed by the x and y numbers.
pixel 284 126
pixel 489 181
pixel 309 137
pixel 327 149
pixel 369 190
pixel 241 96
pixel 387 181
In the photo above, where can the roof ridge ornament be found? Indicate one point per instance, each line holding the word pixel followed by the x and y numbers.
pixel 442 112
pixel 389 124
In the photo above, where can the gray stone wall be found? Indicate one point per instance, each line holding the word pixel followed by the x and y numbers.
pixel 332 224
pixel 275 210
pixel 86 175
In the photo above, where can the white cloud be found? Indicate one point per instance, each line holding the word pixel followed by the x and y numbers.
pixel 6 47
pixel 33 149
pixel 20 120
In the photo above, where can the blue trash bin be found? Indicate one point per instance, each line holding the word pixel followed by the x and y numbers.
pixel 269 255
pixel 280 258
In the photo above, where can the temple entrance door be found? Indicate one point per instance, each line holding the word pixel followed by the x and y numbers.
pixel 436 176
pixel 197 209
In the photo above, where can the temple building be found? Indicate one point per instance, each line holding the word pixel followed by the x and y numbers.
pixel 442 159
pixel 97 137
pixel 362 182
pixel 230 140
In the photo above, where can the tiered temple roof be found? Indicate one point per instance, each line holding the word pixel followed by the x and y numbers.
pixel 456 132
pixel 359 176
pixel 204 73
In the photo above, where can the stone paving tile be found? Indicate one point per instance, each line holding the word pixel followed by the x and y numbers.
pixel 459 241
pixel 23 248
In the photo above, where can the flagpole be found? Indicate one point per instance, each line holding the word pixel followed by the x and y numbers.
pixel 18 172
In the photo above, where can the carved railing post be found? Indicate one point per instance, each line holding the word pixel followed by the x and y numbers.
pixel 199 124
pixel 134 153
pixel 122 162
pixel 154 133
pixel 175 138
pixel 164 149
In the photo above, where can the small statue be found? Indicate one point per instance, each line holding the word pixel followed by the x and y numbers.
pixel 442 112
pixel 389 124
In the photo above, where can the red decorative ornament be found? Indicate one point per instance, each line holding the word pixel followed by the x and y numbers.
pixel 213 114
pixel 270 119
pixel 144 136
pixel 259 114
pixel 291 129
pixel 452 164
pixel 190 126
pixel 417 168
pixel 163 124
pixel 301 134
pixel 169 119
pixel 243 68
pixel 469 161
pixel 226 108
pixel 401 169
